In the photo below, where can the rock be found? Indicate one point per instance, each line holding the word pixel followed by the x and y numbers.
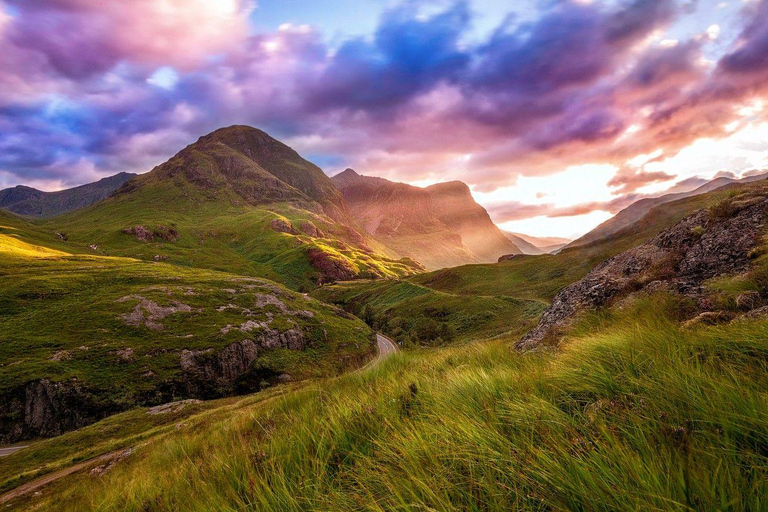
pixel 281 226
pixel 756 314
pixel 149 313
pixel 102 469
pixel 126 354
pixel 171 407
pixel 45 408
pixel 93 247
pixel 310 229
pixel 144 234
pixel 330 268
pixel 61 355
pixel 160 257
pixel 510 257
pixel 62 236
pixel 140 232
pixel 210 373
pixel 749 301
pixel 683 256
pixel 709 318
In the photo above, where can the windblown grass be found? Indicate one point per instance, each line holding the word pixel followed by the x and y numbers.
pixel 636 414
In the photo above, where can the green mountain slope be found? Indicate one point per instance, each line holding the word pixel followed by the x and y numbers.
pixel 237 200
pixel 36 203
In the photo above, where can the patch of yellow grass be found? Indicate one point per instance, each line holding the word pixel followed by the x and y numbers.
pixel 15 247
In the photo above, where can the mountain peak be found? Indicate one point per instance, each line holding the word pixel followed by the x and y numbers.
pixel 346 178
pixel 450 187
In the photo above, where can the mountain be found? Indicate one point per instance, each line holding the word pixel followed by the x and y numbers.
pixel 533 245
pixel 236 200
pixel 439 226
pixel 638 209
pixel 36 203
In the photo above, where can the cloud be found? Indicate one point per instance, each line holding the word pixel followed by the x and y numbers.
pixel 629 179
pixel 80 38
pixel 123 85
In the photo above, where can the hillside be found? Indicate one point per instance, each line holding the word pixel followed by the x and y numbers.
pixel 638 209
pixel 84 336
pixel 236 200
pixel 439 226
pixel 634 413
pixel 31 202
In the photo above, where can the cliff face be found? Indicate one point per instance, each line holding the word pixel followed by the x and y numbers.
pixel 439 226
pixel 709 243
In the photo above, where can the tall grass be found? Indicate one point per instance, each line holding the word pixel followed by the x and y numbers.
pixel 637 415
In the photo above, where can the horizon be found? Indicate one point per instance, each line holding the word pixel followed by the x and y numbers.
pixel 560 114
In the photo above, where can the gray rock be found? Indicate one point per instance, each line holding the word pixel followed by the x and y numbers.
pixel 699 247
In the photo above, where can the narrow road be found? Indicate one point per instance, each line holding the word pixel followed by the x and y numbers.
pixel 10 449
pixel 386 348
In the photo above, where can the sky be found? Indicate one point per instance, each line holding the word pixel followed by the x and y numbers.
pixel 557 113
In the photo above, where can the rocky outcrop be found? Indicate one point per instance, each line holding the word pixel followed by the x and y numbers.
pixel 282 226
pixel 45 408
pixel 149 313
pixel 144 234
pixel 510 257
pixel 706 244
pixel 330 268
pixel 310 229
pixel 209 373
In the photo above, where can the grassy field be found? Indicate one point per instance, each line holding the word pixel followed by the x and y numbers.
pixel 634 413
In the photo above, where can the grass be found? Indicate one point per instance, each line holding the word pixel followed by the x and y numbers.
pixel 416 315
pixel 638 414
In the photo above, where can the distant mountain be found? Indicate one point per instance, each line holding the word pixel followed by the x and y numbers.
pixel 637 210
pixel 236 200
pixel 536 245
pixel 36 203
pixel 439 226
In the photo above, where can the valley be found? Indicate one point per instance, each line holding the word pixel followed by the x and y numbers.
pixel 234 322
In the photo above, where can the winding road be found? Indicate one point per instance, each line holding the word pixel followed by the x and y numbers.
pixel 386 348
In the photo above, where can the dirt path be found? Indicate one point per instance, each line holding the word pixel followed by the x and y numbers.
pixel 52 477
pixel 10 449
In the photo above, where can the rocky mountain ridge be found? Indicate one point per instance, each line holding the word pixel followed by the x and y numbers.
pixel 439 226
pixel 30 202
pixel 719 241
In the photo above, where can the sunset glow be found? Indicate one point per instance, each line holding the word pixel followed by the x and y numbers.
pixel 556 114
